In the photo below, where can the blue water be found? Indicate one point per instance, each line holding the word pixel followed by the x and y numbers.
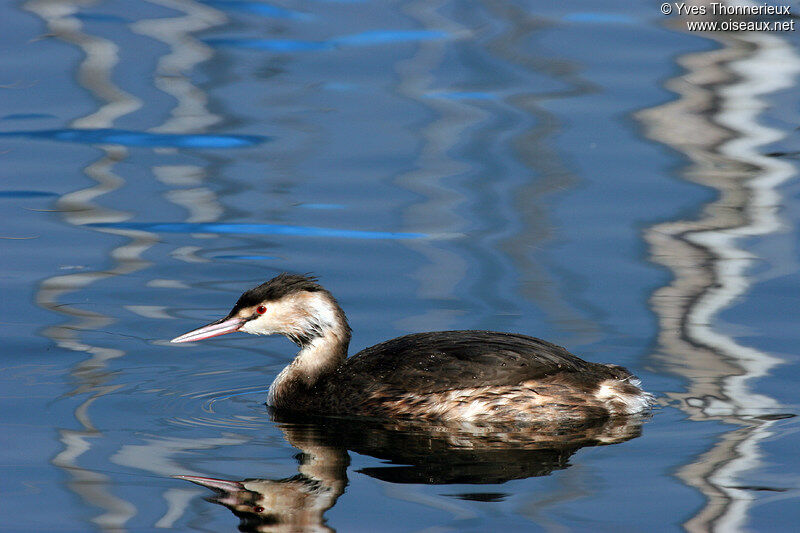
pixel 580 171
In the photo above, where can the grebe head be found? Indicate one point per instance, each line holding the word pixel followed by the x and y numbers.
pixel 289 304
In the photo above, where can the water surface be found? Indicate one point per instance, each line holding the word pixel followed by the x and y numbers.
pixel 581 172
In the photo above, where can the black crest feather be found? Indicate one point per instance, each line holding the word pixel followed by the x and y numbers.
pixel 276 288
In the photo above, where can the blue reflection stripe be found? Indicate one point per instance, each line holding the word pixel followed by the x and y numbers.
pixel 27 116
pixel 389 36
pixel 139 138
pixel 257 8
pixel 475 95
pixel 599 18
pixel 272 45
pixel 358 39
pixel 26 194
pixel 247 257
pixel 258 229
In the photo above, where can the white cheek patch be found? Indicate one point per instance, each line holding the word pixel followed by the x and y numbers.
pixel 263 325
pixel 321 310
pixel 249 327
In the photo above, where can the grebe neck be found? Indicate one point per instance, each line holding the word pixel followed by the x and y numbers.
pixel 323 348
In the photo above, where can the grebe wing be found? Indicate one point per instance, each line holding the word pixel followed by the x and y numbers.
pixel 431 362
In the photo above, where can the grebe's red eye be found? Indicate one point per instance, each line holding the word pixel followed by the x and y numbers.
pixel 258 509
pixel 261 309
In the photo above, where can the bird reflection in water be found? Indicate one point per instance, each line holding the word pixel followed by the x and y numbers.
pixel 416 452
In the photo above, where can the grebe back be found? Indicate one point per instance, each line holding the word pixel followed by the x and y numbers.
pixel 449 375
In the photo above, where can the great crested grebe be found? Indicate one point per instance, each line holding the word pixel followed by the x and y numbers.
pixel 447 375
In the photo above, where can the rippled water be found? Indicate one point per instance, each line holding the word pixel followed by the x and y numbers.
pixel 584 172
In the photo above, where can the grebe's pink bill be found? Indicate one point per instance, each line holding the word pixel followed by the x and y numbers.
pixel 220 327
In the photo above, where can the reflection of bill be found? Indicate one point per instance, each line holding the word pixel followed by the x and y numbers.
pixel 416 452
